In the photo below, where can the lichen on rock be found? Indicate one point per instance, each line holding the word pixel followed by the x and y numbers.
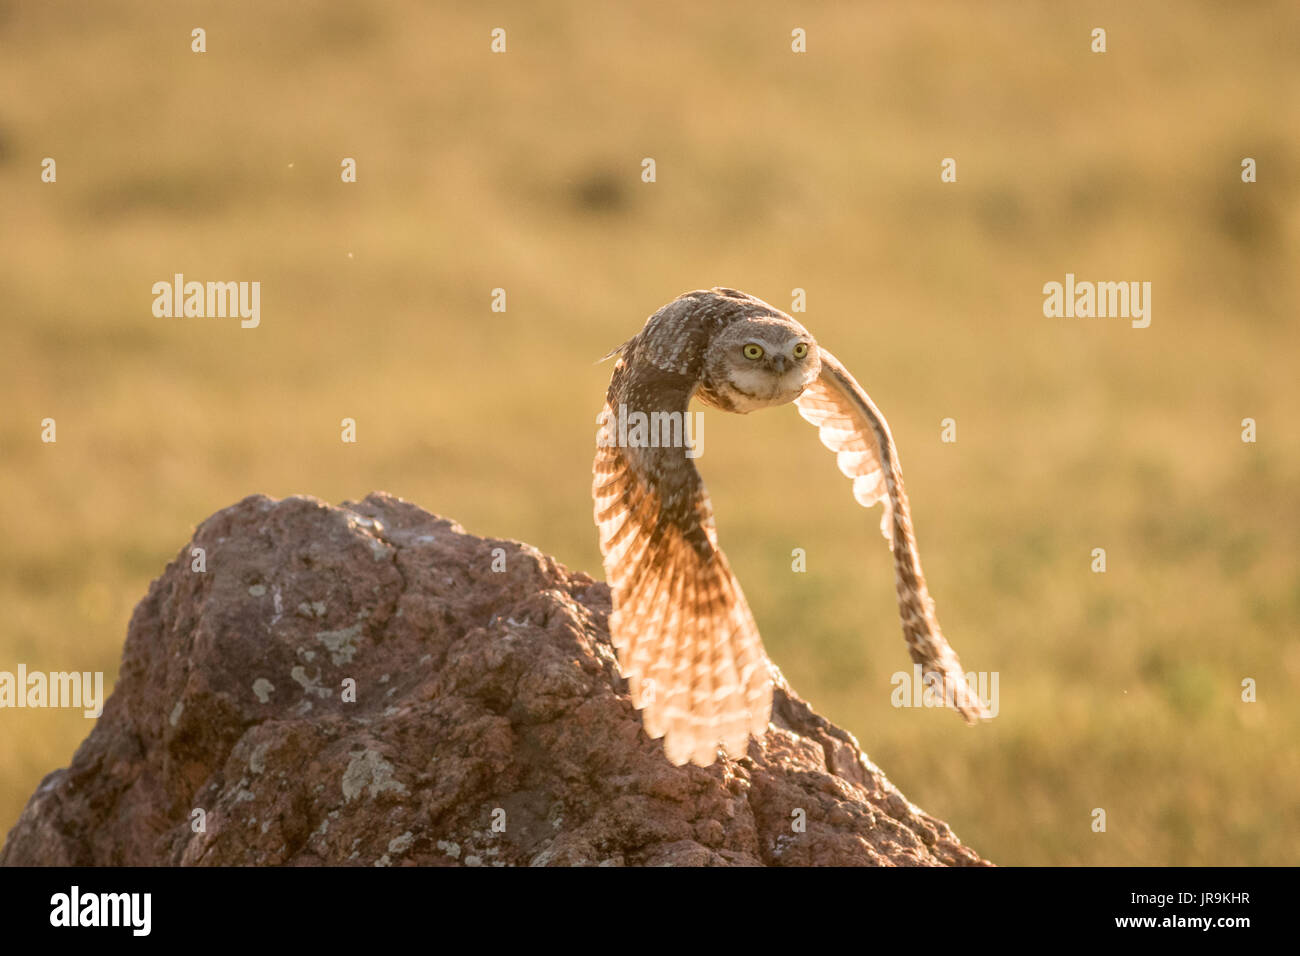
pixel 357 685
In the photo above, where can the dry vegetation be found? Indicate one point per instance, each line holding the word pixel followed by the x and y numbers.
pixel 819 171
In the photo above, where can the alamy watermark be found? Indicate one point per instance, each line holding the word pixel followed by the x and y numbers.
pixel 624 429
pixel 1103 300
pixel 84 689
pixel 199 300
pixel 912 689
pixel 130 910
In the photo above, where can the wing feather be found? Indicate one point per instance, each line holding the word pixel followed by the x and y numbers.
pixel 685 636
pixel 851 426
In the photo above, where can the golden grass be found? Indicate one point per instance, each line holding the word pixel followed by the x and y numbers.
pixel 820 171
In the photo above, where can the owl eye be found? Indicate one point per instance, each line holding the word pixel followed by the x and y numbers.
pixel 753 351
pixel 800 350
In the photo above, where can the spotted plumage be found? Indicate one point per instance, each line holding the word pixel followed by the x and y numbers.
pixel 685 636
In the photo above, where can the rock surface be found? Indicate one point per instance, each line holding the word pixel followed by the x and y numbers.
pixel 489 726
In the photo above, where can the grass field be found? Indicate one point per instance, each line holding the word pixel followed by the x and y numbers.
pixel 775 171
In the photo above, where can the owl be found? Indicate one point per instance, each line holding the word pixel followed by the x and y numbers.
pixel 686 640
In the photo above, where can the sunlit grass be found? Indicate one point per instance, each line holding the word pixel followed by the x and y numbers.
pixel 1118 691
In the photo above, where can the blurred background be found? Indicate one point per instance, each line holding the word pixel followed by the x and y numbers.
pixel 775 171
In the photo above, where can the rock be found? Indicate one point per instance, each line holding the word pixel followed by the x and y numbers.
pixel 489 725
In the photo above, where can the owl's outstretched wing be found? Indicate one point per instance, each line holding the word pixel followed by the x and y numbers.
pixel 685 637
pixel 851 426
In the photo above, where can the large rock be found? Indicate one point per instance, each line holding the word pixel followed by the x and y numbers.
pixel 490 726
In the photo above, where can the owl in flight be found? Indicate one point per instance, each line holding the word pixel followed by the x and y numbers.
pixel 686 640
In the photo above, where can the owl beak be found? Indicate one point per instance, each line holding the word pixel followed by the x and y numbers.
pixel 779 362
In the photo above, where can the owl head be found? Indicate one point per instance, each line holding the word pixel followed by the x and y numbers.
pixel 759 359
